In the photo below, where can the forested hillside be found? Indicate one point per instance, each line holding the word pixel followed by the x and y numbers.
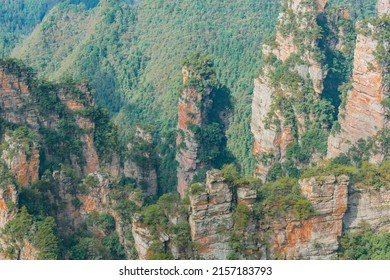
pixel 132 55
pixel 20 17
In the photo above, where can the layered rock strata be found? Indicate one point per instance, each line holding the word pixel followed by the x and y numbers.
pixel 316 237
pixel 211 218
pixel 370 205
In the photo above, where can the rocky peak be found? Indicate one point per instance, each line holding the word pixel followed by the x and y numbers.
pixel 15 94
pixel 21 155
pixel 316 237
pixel 363 114
pixel 8 203
pixel 192 116
pixel 140 164
pixel 292 71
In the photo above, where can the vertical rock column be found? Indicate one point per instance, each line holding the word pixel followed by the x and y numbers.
pixel 211 219
pixel 364 114
pixel 76 105
pixel 295 51
pixel 192 116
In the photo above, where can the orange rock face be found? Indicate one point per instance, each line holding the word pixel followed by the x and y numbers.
pixel 189 114
pixel 316 237
pixel 363 116
pixel 211 210
pixel 90 155
pixel 14 95
pixel 23 164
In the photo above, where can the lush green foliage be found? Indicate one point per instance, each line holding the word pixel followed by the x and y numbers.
pixel 359 9
pixel 157 217
pixel 46 239
pixel 365 244
pixel 25 228
pixel 283 196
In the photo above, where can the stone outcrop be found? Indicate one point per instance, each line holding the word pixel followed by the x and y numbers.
pixel 142 238
pixel 22 249
pixel 191 114
pixel 370 205
pixel 20 105
pixel 318 236
pixel 217 229
pixel 14 96
pixel 144 241
pixel 8 204
pixel 272 133
pixel 140 165
pixel 96 199
pixel 77 105
pixel 22 159
pixel 211 222
pixel 211 218
pixel 364 116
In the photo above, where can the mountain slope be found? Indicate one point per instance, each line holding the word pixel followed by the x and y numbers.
pixel 132 55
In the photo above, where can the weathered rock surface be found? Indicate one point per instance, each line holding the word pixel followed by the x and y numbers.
pixel 364 115
pixel 14 97
pixel 8 204
pixel 383 7
pixel 142 238
pixel 316 237
pixel 211 217
pixel 369 205
pixel 145 174
pixel 272 138
pixel 190 115
pixel 19 106
pixel 22 161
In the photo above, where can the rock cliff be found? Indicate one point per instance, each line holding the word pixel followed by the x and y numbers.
pixel 292 78
pixel 363 114
pixel 318 236
pixel 225 224
pixel 141 164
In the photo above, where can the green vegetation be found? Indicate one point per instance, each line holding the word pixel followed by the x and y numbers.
pixel 339 61
pixel 365 244
pixel 281 197
pixel 99 247
pixel 157 218
pixel 46 239
pixel 366 174
pixel 358 9
pixel 25 228
pixel 197 189
pixel 131 53
pixel 201 73
pixel 64 140
pixel 134 61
